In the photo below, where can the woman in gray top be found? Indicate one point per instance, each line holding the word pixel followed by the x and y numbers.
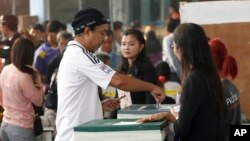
pixel 227 68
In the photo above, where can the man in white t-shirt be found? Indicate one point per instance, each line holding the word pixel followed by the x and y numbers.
pixel 80 73
pixel 168 52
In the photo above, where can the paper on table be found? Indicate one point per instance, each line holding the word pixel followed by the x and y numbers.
pixel 175 108
pixel 126 123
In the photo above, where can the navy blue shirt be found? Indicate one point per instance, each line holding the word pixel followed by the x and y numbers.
pixel 233 103
pixel 198 119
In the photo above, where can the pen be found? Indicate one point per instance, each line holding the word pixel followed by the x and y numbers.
pixel 157 105
pixel 119 98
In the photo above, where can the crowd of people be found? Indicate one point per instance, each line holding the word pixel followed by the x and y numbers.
pixel 99 64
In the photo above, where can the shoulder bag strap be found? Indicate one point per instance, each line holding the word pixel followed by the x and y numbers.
pixel 53 77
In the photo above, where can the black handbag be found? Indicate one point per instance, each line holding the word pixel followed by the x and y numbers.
pixel 51 96
pixel 38 126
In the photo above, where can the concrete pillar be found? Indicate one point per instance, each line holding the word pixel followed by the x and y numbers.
pixel 165 4
pixel 120 10
pixel 145 11
pixel 40 8
pixel 13 7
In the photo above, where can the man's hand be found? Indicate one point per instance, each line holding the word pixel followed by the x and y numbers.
pixel 110 105
pixel 158 94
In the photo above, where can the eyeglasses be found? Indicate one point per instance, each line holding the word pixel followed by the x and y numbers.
pixel 105 37
pixel 173 45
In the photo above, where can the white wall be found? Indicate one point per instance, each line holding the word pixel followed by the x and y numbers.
pixel 215 12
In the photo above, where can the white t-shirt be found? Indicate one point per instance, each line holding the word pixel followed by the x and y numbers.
pixel 169 56
pixel 78 101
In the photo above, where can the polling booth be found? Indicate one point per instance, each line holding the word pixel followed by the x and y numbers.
pixel 229 21
pixel 126 128
pixel 122 130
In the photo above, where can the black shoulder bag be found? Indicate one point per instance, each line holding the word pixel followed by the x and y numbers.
pixel 38 127
pixel 51 96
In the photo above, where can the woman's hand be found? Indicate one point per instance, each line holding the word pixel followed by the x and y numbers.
pixel 154 117
pixel 172 116
pixel 159 116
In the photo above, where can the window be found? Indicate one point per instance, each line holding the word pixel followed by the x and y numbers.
pixel 64 10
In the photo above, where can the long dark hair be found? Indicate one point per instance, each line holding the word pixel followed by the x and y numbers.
pixel 195 54
pixel 152 43
pixel 22 54
pixel 141 59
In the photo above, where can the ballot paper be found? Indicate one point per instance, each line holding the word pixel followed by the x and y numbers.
pixel 142 110
pixel 175 108
pixel 125 102
pixel 126 123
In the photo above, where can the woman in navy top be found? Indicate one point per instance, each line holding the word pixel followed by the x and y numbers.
pixel 203 109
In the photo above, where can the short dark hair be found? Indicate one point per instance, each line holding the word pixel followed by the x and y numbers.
pixel 173 23
pixel 54 26
pixel 64 26
pixel 117 25
pixel 22 53
pixel 65 35
pixel 162 68
pixel 38 27
pixel 136 24
pixel 11 21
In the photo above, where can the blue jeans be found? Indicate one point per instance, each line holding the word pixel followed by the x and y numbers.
pixel 15 133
